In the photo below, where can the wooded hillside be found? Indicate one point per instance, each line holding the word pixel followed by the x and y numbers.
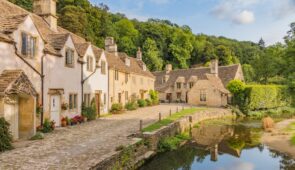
pixel 164 42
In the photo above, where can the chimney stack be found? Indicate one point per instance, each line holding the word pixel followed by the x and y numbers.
pixel 47 10
pixel 214 67
pixel 139 54
pixel 168 68
pixel 111 46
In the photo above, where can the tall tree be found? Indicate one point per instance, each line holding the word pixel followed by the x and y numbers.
pixel 261 43
pixel 151 55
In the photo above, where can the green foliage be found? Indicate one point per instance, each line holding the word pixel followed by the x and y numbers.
pixel 167 121
pixel 89 113
pixel 38 136
pixel 249 72
pixel 48 126
pixel 141 103
pixel 292 140
pixel 131 106
pixel 116 108
pixel 5 136
pixel 148 102
pixel 26 4
pixel 236 86
pixel 154 95
pixel 236 143
pixel 171 143
pixel 151 55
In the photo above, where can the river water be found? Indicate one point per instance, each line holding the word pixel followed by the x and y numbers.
pixel 223 144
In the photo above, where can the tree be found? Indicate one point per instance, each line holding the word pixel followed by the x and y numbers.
pixel 261 43
pixel 26 4
pixel 291 33
pixel 181 48
pixel 224 55
pixel 236 86
pixel 151 55
pixel 249 72
pixel 74 19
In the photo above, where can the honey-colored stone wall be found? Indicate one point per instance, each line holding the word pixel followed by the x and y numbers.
pixel 26 117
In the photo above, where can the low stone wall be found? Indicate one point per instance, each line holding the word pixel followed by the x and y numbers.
pixel 182 125
pixel 144 147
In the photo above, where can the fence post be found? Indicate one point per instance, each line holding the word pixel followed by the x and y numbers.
pixel 140 125
pixel 170 113
pixel 182 107
pixel 160 116
pixel 177 110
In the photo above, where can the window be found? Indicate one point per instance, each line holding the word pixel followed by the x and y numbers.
pixel 126 78
pixel 89 63
pixel 103 67
pixel 203 97
pixel 119 98
pixel 104 98
pixel 178 95
pixel 116 75
pixel 178 85
pixel 126 96
pixel 87 100
pixel 191 85
pixel 70 57
pixel 29 44
pixel 163 80
pixel 73 101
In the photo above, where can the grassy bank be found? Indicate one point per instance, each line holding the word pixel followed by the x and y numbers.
pixel 281 112
pixel 172 118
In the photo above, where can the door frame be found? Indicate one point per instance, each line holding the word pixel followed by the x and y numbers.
pixel 98 103
pixel 59 107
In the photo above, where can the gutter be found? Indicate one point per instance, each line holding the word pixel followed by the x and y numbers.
pixel 40 74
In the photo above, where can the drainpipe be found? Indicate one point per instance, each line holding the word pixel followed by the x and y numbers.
pixel 36 71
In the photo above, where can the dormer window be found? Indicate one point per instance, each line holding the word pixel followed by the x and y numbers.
pixel 178 85
pixel 144 67
pixel 89 63
pixel 127 62
pixel 191 85
pixel 70 57
pixel 103 67
pixel 29 44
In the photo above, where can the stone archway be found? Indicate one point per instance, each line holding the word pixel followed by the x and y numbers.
pixel 18 103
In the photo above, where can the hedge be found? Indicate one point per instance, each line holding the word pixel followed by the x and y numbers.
pixel 5 136
pixel 257 97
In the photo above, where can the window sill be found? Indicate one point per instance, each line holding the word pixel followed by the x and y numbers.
pixel 70 66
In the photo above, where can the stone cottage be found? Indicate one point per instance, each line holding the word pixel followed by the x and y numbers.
pixel 197 86
pixel 64 69
pixel 129 78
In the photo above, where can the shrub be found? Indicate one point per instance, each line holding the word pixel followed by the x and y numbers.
pixel 5 136
pixel 141 103
pixel 148 102
pixel 116 108
pixel 38 136
pixel 154 97
pixel 48 126
pixel 131 106
pixel 236 86
pixel 172 143
pixel 89 113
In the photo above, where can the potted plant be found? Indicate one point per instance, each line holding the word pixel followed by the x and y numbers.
pixel 64 122
pixel 64 106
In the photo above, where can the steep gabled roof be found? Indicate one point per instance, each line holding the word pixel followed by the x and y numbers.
pixel 10 23
pixel 225 73
pixel 82 48
pixel 15 82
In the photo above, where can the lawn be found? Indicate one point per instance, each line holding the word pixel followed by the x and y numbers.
pixel 171 119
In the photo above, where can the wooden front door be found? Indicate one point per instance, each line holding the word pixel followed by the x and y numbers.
pixel 55 108
pixel 169 97
pixel 98 102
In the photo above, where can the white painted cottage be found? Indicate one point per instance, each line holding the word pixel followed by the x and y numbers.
pixel 62 67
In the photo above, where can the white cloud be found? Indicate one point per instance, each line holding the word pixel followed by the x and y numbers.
pixel 244 17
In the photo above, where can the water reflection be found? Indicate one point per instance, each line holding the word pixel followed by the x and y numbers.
pixel 223 146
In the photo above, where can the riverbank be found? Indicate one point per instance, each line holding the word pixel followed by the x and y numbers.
pixel 279 138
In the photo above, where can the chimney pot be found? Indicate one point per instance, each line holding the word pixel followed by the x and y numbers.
pixel 47 10
pixel 214 67
pixel 168 68
pixel 111 46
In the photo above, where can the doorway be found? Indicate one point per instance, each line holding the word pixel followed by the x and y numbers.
pixel 11 116
pixel 55 108
pixel 98 103
pixel 169 97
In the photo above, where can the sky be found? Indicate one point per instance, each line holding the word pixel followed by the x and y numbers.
pixel 247 20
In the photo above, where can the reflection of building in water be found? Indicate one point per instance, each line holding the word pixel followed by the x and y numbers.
pixel 215 139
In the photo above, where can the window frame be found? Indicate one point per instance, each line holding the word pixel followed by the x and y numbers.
pixel 89 63
pixel 87 99
pixel 203 96
pixel 178 85
pixel 178 95
pixel 27 51
pixel 70 65
pixel 73 106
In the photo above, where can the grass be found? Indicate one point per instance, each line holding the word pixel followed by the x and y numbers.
pixel 171 119
pixel 172 143
pixel 293 140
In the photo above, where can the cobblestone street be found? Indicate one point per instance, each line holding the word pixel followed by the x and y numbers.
pixel 82 146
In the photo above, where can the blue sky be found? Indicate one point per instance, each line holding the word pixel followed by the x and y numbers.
pixel 238 19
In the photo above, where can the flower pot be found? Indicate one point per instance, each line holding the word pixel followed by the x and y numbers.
pixel 64 123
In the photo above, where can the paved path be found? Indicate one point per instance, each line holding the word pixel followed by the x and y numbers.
pixel 82 146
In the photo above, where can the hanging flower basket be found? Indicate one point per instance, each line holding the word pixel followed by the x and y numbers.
pixel 64 106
